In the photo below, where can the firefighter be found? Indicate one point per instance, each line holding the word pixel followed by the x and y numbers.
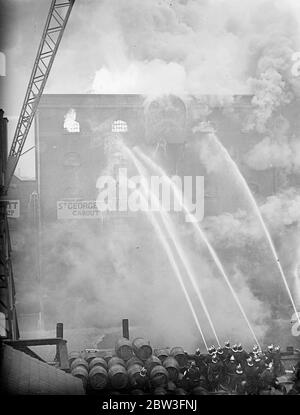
pixel 239 381
pixel 251 373
pixel 214 373
pixel 220 354
pixel 278 366
pixel 209 355
pixel 241 355
pixel 227 350
pixel 200 362
pixel 230 368
pixel 255 351
pixel 267 379
pixel 259 364
pixel 192 376
pixel 234 351
pixel 269 354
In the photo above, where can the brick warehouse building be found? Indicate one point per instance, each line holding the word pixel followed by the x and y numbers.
pixel 69 162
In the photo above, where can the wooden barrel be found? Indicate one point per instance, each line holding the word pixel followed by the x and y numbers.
pixel 123 349
pixel 115 361
pixel 107 355
pixel 171 387
pixel 98 378
pixel 160 391
pixel 180 356
pixel 118 377
pixel 142 348
pixel 81 373
pixel 137 392
pixel 134 376
pixel 172 367
pixel 134 361
pixel 79 362
pixel 162 354
pixel 159 376
pixel 151 362
pixel 72 356
pixel 89 356
pixel 98 361
pixel 198 390
pixel 180 391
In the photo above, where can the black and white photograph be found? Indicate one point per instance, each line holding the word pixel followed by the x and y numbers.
pixel 150 201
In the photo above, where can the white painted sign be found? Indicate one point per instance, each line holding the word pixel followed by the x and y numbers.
pixel 81 209
pixel 13 208
pixel 85 209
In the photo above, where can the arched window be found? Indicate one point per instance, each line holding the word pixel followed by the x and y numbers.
pixel 119 126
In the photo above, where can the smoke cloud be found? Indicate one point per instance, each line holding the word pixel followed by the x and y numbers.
pixel 96 275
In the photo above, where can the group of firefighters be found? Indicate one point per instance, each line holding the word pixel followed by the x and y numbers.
pixel 233 370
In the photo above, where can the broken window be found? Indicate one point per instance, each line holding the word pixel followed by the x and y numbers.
pixel 70 123
pixel 119 126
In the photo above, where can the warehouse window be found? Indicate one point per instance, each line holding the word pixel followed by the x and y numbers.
pixel 70 123
pixel 119 126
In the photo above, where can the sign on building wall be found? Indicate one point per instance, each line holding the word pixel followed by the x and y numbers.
pixel 86 209
pixel 82 209
pixel 13 208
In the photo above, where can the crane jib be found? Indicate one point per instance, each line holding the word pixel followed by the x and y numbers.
pixel 53 31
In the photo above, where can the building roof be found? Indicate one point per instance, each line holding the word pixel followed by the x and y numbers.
pixel 24 375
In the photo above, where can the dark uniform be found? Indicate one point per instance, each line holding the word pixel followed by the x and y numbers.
pixel 278 366
pixel 214 373
pixel 227 352
pixel 267 379
pixel 230 368
pixel 201 363
pixel 241 356
pixel 192 377
pixel 239 382
pixel 251 372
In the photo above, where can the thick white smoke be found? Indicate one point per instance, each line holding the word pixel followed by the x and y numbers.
pixel 181 47
pixel 155 47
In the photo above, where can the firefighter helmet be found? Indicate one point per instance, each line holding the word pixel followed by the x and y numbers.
pixel 219 350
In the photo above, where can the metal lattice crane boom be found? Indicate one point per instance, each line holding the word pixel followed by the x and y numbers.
pixel 54 28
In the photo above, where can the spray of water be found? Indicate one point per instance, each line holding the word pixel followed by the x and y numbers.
pixel 169 228
pixel 202 235
pixel 255 207
pixel 297 283
pixel 168 250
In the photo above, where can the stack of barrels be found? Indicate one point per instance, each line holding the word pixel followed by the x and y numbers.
pixel 133 367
